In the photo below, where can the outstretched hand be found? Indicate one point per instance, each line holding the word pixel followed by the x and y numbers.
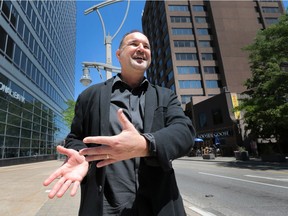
pixel 69 174
pixel 128 144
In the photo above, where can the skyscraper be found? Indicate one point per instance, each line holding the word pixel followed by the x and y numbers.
pixel 37 58
pixel 197 51
pixel 197 45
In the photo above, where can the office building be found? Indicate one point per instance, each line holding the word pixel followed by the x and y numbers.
pixel 197 51
pixel 37 58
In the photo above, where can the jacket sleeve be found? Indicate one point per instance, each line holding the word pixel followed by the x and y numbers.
pixel 173 131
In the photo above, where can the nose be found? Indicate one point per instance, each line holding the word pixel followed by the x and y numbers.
pixel 140 47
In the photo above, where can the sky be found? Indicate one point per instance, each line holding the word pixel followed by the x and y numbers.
pixel 90 38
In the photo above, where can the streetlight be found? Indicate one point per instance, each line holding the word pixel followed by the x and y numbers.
pixel 86 79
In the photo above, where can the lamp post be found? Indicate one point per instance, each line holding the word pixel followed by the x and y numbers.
pixel 86 79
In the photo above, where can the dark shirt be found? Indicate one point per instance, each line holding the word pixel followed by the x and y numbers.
pixel 121 181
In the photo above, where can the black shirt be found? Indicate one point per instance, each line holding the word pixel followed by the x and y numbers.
pixel 121 181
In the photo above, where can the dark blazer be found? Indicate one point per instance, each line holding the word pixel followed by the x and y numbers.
pixel 158 193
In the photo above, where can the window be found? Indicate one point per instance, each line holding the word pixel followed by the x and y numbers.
pixel 3 36
pixel 205 43
pixel 182 31
pixel 184 43
pixel 270 21
pixel 210 69
pixel 203 31
pixel 213 84
pixel 180 19
pixel 178 8
pixel 201 19
pixel 208 56
pixel 186 56
pixel 188 69
pixel 202 120
pixel 184 84
pixel 199 8
pixel 217 116
pixel 270 9
pixel 185 99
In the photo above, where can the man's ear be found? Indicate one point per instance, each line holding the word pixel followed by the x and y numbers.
pixel 118 53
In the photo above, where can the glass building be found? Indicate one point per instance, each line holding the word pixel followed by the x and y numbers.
pixel 37 58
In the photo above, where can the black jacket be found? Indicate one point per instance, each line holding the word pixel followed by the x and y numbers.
pixel 158 193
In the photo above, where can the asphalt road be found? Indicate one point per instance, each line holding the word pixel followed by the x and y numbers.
pixel 231 188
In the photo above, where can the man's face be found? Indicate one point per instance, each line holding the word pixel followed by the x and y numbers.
pixel 135 53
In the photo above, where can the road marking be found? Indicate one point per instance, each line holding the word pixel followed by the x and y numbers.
pixel 243 180
pixel 47 191
pixel 268 178
pixel 201 212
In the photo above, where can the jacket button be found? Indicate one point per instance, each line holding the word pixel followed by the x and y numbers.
pixel 100 188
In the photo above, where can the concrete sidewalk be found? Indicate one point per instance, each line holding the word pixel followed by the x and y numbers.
pixel 23 194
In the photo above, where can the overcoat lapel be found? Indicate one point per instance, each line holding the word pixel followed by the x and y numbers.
pixel 105 96
pixel 150 106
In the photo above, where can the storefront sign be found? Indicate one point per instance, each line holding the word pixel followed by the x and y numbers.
pixel 12 93
pixel 235 104
pixel 224 133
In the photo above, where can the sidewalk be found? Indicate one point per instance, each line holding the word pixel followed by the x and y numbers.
pixel 23 194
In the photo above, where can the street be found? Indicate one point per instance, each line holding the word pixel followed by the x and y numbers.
pixel 233 188
pixel 220 187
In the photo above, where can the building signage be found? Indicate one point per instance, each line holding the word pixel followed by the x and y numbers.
pixel 235 104
pixel 12 93
pixel 224 133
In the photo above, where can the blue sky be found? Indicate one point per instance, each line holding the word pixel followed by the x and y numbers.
pixel 90 39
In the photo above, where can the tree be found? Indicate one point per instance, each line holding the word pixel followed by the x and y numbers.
pixel 68 113
pixel 266 105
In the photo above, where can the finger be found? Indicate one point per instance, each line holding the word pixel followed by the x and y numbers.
pixel 65 151
pixel 64 188
pixel 103 140
pixel 126 124
pixel 105 163
pixel 52 177
pixel 75 188
pixel 56 188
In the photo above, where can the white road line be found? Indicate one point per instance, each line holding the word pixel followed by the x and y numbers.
pixel 268 178
pixel 201 212
pixel 243 180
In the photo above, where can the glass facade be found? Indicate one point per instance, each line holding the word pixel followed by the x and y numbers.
pixel 37 58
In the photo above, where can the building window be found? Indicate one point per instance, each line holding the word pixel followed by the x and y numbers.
pixel 180 19
pixel 213 84
pixel 271 21
pixel 208 56
pixel 217 116
pixel 270 10
pixel 184 43
pixel 199 19
pixel 185 99
pixel 186 84
pixel 178 8
pixel 199 8
pixel 188 69
pixel 203 31
pixel 211 69
pixel 205 43
pixel 186 56
pixel 202 120
pixel 182 31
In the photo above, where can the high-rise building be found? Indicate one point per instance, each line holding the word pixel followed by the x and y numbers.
pixel 197 51
pixel 197 45
pixel 37 58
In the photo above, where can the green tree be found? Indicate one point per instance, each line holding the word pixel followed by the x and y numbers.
pixel 68 113
pixel 266 107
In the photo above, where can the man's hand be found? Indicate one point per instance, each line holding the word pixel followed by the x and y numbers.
pixel 128 144
pixel 70 173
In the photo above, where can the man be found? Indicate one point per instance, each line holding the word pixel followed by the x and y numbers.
pixel 125 134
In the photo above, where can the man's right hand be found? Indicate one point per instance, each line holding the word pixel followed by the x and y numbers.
pixel 71 173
